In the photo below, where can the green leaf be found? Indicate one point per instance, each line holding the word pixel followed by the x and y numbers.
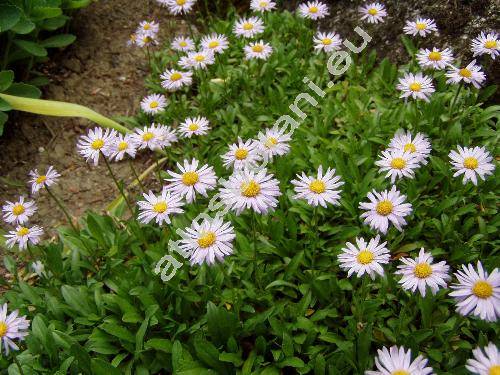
pixel 57 41
pixel 33 48
pixel 54 23
pixel 117 331
pixel 6 79
pixel 24 26
pixel 100 367
pixel 40 13
pixel 24 90
pixel 9 16
pixel 4 106
pixel 75 4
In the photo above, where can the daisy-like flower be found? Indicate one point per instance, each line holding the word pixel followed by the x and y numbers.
pixel 248 27
pixel 373 12
pixel 194 126
pixel 471 162
pixel 327 42
pixel 397 164
pixel 397 361
pixel 217 43
pixel 472 73
pixel 192 180
pixel 421 27
pixel 421 272
pixel 262 5
pixel 148 28
pixel 173 80
pixel 154 103
pixel 258 50
pixel 318 190
pixel 486 361
pixel 18 212
pixel 417 86
pixel 12 327
pixel 248 189
pixel 477 293
pixel 435 59
pixel 96 141
pixel 38 181
pixel 182 44
pixel 488 44
pixel 242 154
pixel 159 208
pixel 384 208
pixel 165 135
pixel 23 236
pixel 146 40
pixel 364 257
pixel 39 268
pixel 208 242
pixel 123 144
pixel 132 40
pixel 273 142
pixel 419 146
pixel 197 60
pixel 180 6
pixel 314 10
pixel 147 138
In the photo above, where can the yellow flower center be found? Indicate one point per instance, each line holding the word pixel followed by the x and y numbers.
pixel 122 146
pixel 193 127
pixel 470 163
pixel 247 26
pixel 207 239
pixel 153 104
pixel 23 231
pixel 199 58
pixel 494 370
pixel 327 41
pixel 18 209
pixel 3 329
pixel 250 189
pixel 147 136
pixel 258 48
pixel 365 257
pixel 313 9
pixel 490 44
pixel 41 179
pixel 181 2
pixel 317 186
pixel 213 44
pixel 465 73
pixel 160 207
pixel 147 26
pixel 384 208
pixel 241 153
pixel 410 147
pixel 415 86
pixel 263 4
pixel 175 76
pixel 190 178
pixel 482 289
pixel 270 142
pixel 422 270
pixel 421 26
pixel 400 372
pixel 435 56
pixel 97 144
pixel 183 44
pixel 372 11
pixel 147 39
pixel 133 37
pixel 398 163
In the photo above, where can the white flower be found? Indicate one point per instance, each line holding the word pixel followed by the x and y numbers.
pixel 217 43
pixel 364 257
pixel 18 212
pixel 248 27
pixel 96 141
pixel 421 27
pixel 314 10
pixel 173 80
pixel 397 164
pixel 154 103
pixel 191 180
pixel 421 272
pixel 327 42
pixel 182 44
pixel 146 40
pixel 246 189
pixel 486 44
pixel 123 144
pixel 158 208
pixel 197 60
pixel 242 154
pixel 384 208
pixel 435 59
pixel 179 6
pixel 471 162
pixel 273 143
pixel 23 236
pixel 486 361
pixel 258 50
pixel 262 5
pixel 39 268
pixel 194 126
pixel 149 137
pixel 38 181
pixel 477 293
pixel 419 146
pixel 417 86
pixel 373 12
pixel 165 135
pixel 318 190
pixel 208 242
pixel 470 74
pixel 150 28
pixel 397 361
pixel 12 328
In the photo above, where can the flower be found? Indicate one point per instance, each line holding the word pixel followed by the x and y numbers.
pixel 217 43
pixel 158 208
pixel 421 27
pixel 318 190
pixel 477 293
pixel 421 272
pixel 384 208
pixel 256 190
pixel 38 181
pixel 194 126
pixel 150 28
pixel 397 164
pixel 364 257
pixel 132 40
pixel 191 180
pixel 242 154
pixel 262 5
pixel 258 50
pixel 179 6
pixel 373 12
pixel 197 60
pixel 148 137
pixel 12 327
pixel 146 40
pixel 327 42
pixel 18 212
pixel 182 44
pixel 123 144
pixel 314 10
pixel 208 242
pixel 248 27
pixel 23 236
pixel 96 142
pixel 165 135
pixel 471 162
pixel 486 44
pixel 417 86
pixel 419 146
pixel 486 361
pixel 273 142
pixel 470 74
pixel 173 80
pixel 397 361
pixel 154 103
pixel 39 268
pixel 435 59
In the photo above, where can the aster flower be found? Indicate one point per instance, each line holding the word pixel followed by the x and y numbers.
pixel 242 154
pixel 471 162
pixel 313 10
pixel 123 144
pixel 248 27
pixel 397 361
pixel 148 28
pixel 12 327
pixel 385 208
pixel 159 208
pixel 486 360
pixel 419 146
pixel 217 43
pixel 364 257
pixel 486 44
pixel 421 27
pixel 318 190
pixel 23 236
pixel 182 44
pixel 95 142
pixel 435 59
pixel 194 126
pixel 470 74
pixel 165 135
pixel 197 60
pixel 273 142
pixel 373 12
pixel 327 42
pixel 173 80
pixel 417 86
pixel 146 40
pixel 397 164
pixel 39 181
pixel 477 293
pixel 148 137
pixel 179 6
pixel 154 103
pixel 258 50
pixel 262 5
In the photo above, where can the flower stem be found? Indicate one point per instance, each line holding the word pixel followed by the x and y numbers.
pixel 63 209
pixel 120 187
pixel 455 98
pixel 136 176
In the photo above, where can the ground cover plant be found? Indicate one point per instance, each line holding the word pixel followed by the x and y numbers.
pixel 360 237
